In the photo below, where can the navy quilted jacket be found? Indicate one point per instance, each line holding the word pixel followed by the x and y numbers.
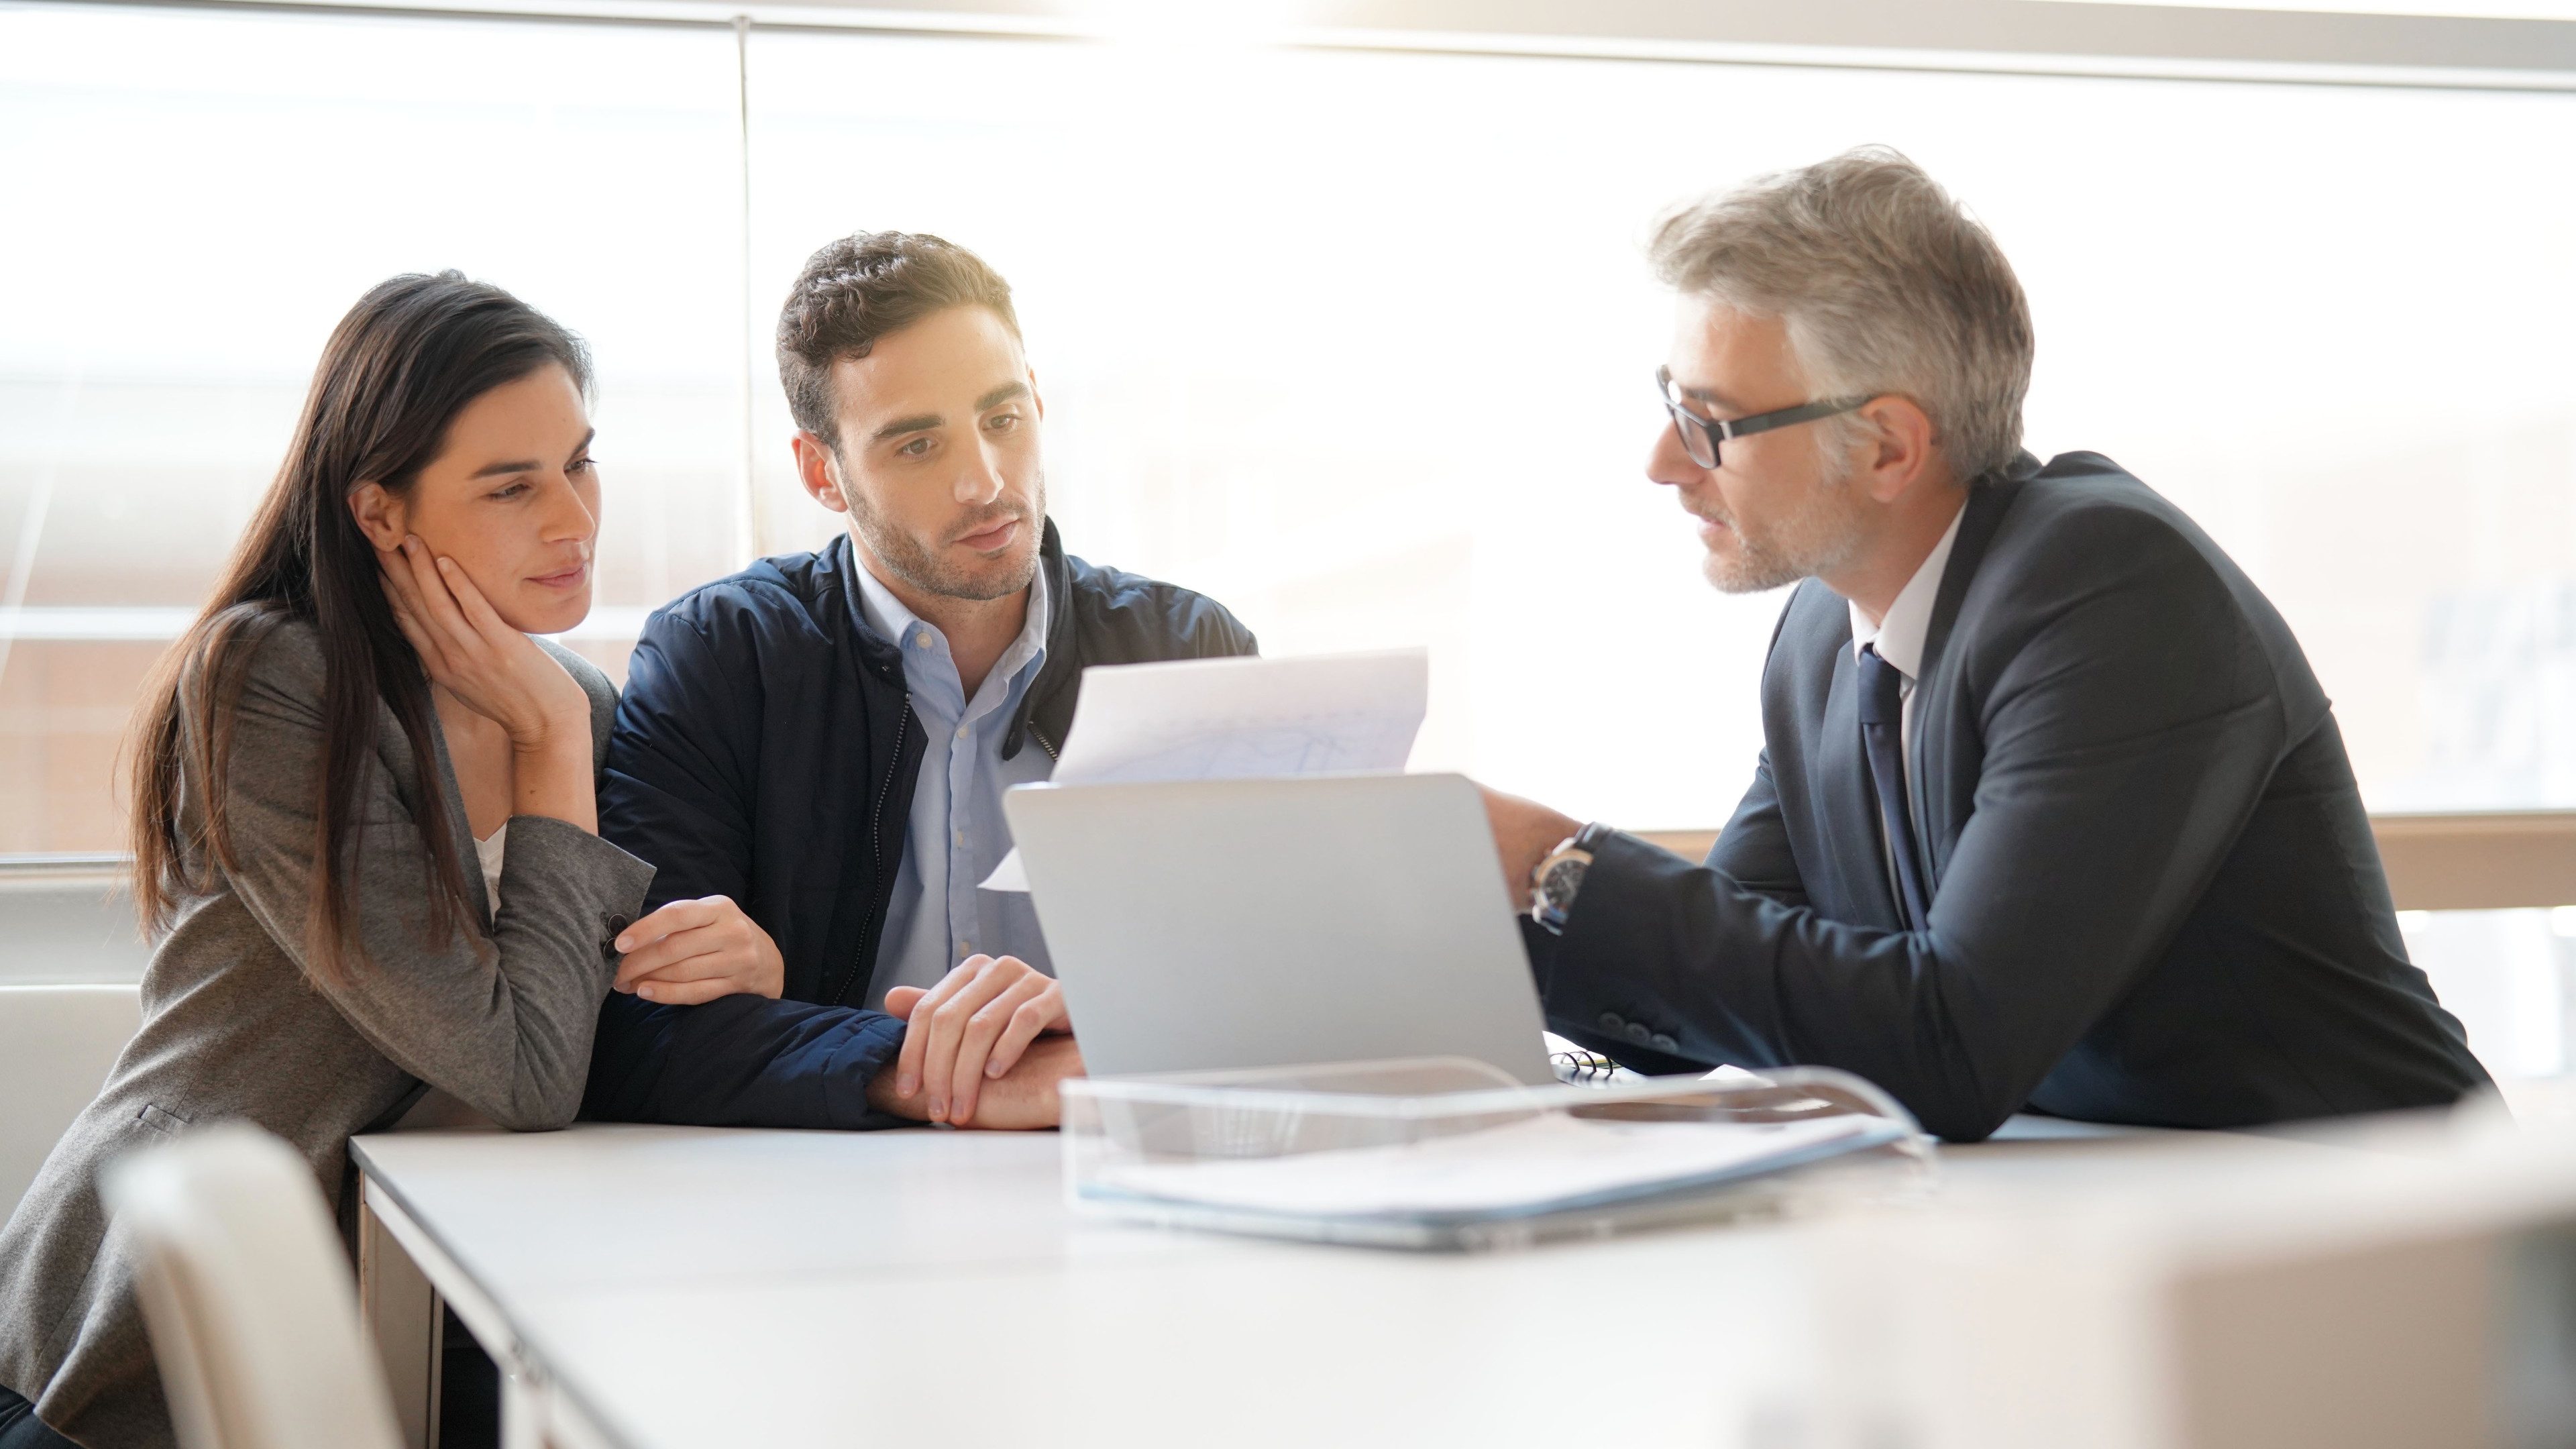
pixel 763 751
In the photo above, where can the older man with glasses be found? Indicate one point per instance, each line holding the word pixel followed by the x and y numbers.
pixel 2051 813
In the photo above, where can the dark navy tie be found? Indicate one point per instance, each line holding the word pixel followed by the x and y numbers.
pixel 1882 734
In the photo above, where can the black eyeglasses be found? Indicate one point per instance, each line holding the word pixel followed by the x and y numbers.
pixel 1700 436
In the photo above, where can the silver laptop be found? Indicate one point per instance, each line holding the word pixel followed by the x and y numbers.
pixel 1250 923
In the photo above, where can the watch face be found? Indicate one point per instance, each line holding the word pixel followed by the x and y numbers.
pixel 1561 882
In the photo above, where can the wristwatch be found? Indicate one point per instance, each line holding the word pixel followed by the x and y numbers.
pixel 1554 883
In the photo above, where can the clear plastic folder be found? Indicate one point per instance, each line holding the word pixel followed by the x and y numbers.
pixel 1450 1153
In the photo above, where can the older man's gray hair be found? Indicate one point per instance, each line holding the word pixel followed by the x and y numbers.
pixel 1885 285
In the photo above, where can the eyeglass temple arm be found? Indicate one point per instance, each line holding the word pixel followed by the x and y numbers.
pixel 1765 422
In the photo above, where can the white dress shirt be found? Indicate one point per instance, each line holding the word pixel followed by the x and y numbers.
pixel 1900 638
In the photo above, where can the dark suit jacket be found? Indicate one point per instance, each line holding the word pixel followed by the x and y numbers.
pixel 2155 897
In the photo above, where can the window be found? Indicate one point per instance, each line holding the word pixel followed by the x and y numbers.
pixel 1358 342
pixel 196 197
pixel 1362 344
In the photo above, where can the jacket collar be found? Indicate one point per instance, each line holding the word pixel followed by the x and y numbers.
pixel 1061 668
pixel 1989 499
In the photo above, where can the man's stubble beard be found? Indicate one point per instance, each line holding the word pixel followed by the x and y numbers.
pixel 919 565
pixel 1820 535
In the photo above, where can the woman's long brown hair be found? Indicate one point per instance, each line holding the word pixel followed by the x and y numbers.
pixel 398 369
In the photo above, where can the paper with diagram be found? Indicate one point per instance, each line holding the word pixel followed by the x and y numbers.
pixel 1238 719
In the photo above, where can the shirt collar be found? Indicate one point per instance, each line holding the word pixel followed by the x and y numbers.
pixel 888 616
pixel 1900 635
pixel 1031 645
pixel 884 612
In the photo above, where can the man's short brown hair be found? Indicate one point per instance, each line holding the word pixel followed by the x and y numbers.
pixel 861 288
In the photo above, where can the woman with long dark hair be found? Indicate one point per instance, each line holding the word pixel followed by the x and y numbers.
pixel 363 815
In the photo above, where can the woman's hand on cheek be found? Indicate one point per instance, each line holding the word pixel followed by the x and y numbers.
pixel 471 652
pixel 402 595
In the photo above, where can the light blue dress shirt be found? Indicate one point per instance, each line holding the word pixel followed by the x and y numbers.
pixel 956 834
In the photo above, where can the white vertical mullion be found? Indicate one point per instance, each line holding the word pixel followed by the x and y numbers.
pixel 750 536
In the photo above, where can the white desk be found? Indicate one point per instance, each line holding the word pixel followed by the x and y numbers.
pixel 673 1288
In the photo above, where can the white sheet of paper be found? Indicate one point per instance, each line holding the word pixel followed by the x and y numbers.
pixel 1526 1166
pixel 1239 719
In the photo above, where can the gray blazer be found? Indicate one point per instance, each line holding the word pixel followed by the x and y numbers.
pixel 234 1027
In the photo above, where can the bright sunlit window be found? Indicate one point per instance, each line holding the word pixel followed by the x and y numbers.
pixel 195 198
pixel 1361 344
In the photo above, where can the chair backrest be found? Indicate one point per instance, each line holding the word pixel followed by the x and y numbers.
pixel 56 1045
pixel 68 919
pixel 252 1309
pixel 69 961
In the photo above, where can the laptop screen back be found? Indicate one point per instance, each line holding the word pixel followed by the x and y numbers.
pixel 1246 923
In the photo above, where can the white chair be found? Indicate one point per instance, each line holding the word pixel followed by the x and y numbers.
pixel 68 919
pixel 56 1044
pixel 69 961
pixel 249 1299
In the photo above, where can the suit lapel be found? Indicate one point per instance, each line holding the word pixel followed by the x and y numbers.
pixel 1988 501
pixel 1840 779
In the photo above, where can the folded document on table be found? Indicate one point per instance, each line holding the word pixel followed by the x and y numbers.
pixel 1542 1164
pixel 1442 1152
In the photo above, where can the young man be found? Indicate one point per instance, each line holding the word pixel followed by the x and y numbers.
pixel 2051 813
pixel 813 751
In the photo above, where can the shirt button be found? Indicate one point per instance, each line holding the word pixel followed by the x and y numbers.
pixel 921 641
pixel 961 837
pixel 965 947
pixel 962 732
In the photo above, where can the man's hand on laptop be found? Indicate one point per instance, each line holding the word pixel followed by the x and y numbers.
pixel 694 951
pixel 963 1038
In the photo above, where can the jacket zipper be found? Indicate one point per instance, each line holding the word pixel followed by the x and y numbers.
pixel 1040 736
pixel 876 833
